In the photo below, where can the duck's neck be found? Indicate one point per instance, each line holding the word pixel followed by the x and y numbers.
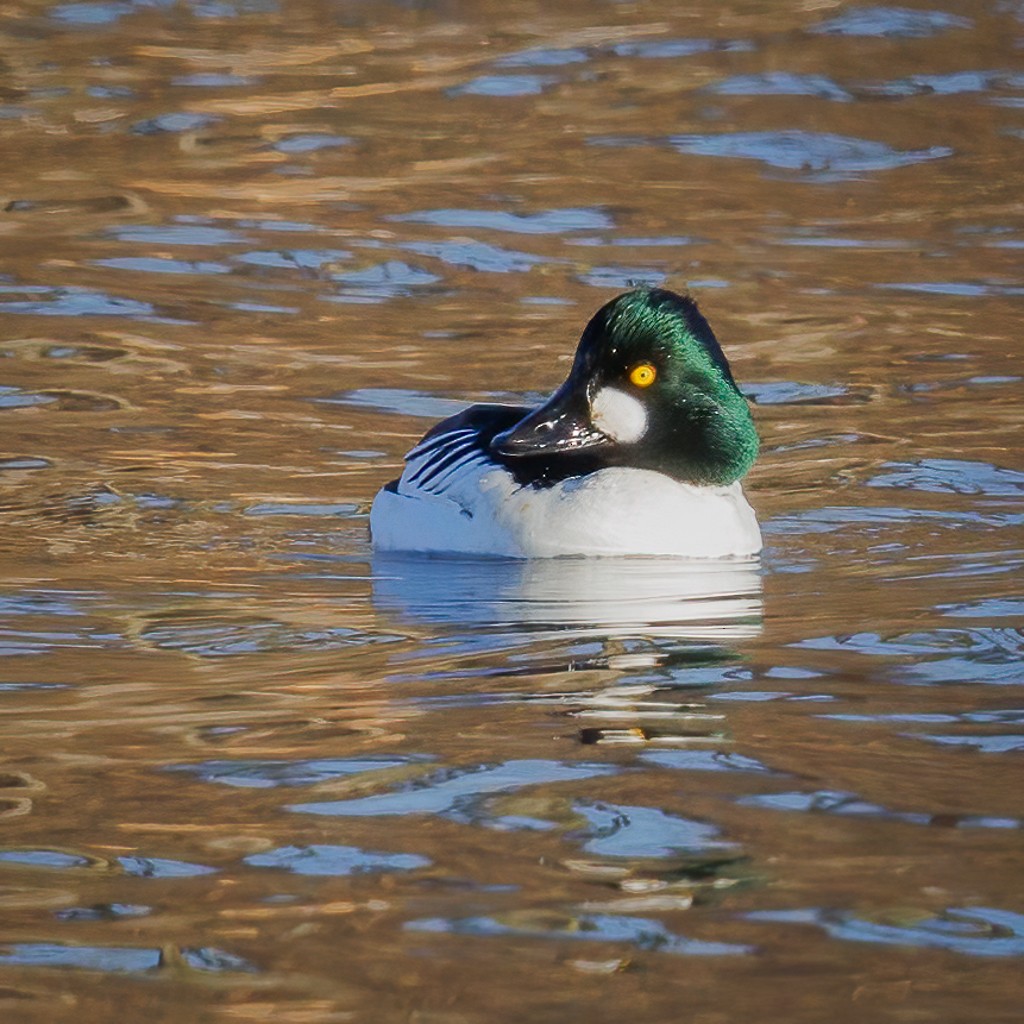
pixel 709 441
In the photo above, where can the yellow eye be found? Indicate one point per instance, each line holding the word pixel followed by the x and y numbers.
pixel 643 375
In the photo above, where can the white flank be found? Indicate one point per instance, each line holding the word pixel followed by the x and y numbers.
pixel 622 417
pixel 616 511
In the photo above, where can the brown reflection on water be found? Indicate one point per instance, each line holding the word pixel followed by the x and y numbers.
pixel 251 252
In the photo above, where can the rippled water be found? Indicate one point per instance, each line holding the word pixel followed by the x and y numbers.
pixel 251 772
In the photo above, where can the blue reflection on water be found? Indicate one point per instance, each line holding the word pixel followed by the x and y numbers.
pixel 831 519
pixel 44 859
pixel 162 265
pixel 311 142
pixel 897 22
pixel 382 281
pixel 542 58
pixel 18 687
pixel 615 276
pixel 503 85
pixel 160 867
pixel 212 80
pixel 173 123
pixel 293 259
pixel 214 634
pixel 140 867
pixel 34 602
pixel 209 958
pixel 260 774
pixel 825 801
pixel 629 831
pixel 989 717
pixel 977 931
pixel 180 233
pixel 1001 744
pixel 668 49
pixel 15 398
pixel 985 743
pixel 320 859
pixel 400 400
pixel 952 476
pixel 951 84
pixel 790 392
pixel 94 958
pixel 817 156
pixel 980 655
pixel 638 931
pixel 704 761
pixel 546 222
pixel 117 959
pixel 455 791
pixel 103 912
pixel 283 508
pixel 76 301
pixel 967 289
pixel 781 83
pixel 820 154
pixel 91 14
pixel 477 256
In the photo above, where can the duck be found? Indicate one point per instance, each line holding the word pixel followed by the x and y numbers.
pixel 639 452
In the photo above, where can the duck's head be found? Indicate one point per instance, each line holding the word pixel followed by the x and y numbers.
pixel 650 388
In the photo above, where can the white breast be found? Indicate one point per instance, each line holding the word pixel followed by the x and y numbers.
pixel 617 511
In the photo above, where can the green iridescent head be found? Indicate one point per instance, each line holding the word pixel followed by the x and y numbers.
pixel 650 387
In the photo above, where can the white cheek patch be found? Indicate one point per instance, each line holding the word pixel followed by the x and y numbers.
pixel 622 417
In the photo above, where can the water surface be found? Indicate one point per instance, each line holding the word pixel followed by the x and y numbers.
pixel 252 772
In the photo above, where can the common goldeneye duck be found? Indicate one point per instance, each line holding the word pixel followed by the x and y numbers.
pixel 639 452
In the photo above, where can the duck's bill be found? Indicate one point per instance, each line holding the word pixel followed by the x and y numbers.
pixel 562 424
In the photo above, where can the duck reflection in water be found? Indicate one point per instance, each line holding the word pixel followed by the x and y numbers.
pixel 699 601
pixel 622 646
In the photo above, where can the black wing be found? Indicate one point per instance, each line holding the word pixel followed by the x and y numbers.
pixel 455 444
